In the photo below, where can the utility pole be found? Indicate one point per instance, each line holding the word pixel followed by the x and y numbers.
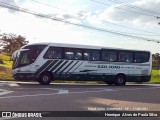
pixel 158 18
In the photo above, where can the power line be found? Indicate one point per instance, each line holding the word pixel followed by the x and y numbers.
pixel 155 34
pixel 76 24
pixel 135 7
pixel 150 15
pixel 50 5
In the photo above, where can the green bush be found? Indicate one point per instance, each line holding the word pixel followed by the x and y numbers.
pixel 155 76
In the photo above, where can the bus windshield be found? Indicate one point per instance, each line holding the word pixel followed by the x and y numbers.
pixel 22 59
pixel 15 59
pixel 26 55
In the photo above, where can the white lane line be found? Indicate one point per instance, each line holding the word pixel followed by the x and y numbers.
pixel 63 92
pixel 13 85
pixel 3 92
pixel 109 90
pixel 10 84
pixel 37 95
pixel 51 88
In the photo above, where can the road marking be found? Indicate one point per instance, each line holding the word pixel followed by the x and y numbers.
pixel 13 85
pixel 63 92
pixel 5 92
pixel 109 90
pixel 37 95
pixel 51 88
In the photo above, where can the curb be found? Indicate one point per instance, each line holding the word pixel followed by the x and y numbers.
pixel 74 82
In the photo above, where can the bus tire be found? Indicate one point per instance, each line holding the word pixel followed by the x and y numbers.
pixel 120 80
pixel 45 78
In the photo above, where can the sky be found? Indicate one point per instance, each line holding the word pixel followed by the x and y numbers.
pixel 127 24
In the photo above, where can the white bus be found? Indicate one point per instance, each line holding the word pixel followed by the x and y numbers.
pixel 45 62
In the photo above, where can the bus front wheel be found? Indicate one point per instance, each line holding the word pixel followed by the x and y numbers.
pixel 45 78
pixel 120 80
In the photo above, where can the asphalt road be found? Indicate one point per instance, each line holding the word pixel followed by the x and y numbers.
pixel 23 96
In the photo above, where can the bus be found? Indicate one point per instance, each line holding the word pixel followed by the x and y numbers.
pixel 45 62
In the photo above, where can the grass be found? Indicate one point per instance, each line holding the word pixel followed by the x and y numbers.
pixel 5 69
pixel 155 77
pixel 4 57
pixel 6 72
pixel 6 60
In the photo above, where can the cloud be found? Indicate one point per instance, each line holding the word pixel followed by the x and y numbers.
pixel 9 4
pixel 118 12
pixel 78 16
pixel 132 12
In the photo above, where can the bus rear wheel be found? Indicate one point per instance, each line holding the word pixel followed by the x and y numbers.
pixel 120 80
pixel 45 78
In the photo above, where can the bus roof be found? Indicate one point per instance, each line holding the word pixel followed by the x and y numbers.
pixel 82 46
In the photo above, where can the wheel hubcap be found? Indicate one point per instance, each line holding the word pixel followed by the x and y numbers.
pixel 120 80
pixel 45 78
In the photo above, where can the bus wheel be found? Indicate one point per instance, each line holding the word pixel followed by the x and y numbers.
pixel 45 78
pixel 120 80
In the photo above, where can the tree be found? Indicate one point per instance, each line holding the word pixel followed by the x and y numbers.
pixel 12 42
pixel 156 60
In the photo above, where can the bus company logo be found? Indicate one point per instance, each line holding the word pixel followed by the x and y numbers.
pixel 6 114
pixel 110 66
pixel 102 66
pixel 114 67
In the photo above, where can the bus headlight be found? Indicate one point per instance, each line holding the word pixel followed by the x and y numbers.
pixel 16 71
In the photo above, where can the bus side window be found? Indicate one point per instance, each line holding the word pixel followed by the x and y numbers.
pixel 125 57
pixel 105 55
pixel 122 57
pixel 73 54
pixel 57 54
pixel 53 53
pixel 87 55
pixel 137 58
pixel 78 55
pixel 141 57
pixel 95 55
pixel 145 57
pixel 113 57
pixel 69 54
pixel 129 57
pixel 49 54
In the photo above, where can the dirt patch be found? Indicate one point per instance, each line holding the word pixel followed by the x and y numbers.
pixel 3 68
pixel 1 61
pixel 5 73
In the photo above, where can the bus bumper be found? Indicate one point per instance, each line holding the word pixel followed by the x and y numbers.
pixel 24 76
